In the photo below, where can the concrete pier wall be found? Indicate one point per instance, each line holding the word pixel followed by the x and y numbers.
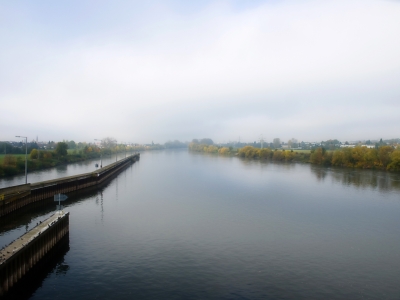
pixel 24 253
pixel 16 197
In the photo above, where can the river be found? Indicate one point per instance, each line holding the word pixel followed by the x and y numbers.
pixel 61 171
pixel 181 225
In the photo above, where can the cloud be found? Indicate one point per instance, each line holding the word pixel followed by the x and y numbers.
pixel 306 69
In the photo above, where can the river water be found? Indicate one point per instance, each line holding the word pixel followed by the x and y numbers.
pixel 62 171
pixel 179 225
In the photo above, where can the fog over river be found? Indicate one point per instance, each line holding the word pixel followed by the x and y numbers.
pixel 181 225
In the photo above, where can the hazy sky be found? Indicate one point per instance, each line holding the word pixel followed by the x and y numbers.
pixel 143 71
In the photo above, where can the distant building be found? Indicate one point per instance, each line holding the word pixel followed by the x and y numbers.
pixel 352 146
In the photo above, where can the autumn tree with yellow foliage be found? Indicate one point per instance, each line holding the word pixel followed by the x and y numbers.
pixel 383 158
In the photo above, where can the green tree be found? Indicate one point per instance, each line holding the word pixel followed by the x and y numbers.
pixel 384 155
pixel 321 157
pixel 338 158
pixel 395 161
pixel 71 145
pixel 61 149
pixel 33 154
pixel 46 154
pixel 317 156
pixel 348 159
pixel 358 154
pixel 370 158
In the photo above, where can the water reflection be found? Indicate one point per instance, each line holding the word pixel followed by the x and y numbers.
pixel 320 173
pixel 382 181
pixel 251 162
pixel 62 267
pixel 101 203
pixel 62 168
pixel 11 225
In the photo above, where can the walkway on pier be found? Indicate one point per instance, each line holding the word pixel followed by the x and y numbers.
pixel 22 241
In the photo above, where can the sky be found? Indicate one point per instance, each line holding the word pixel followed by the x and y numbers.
pixel 143 71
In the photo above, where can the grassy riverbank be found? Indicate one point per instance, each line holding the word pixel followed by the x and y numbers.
pixel 13 164
pixel 16 156
pixel 382 158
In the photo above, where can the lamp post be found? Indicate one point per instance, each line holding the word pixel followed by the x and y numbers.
pixel 26 157
pixel 116 144
pixel 101 155
pixel 116 150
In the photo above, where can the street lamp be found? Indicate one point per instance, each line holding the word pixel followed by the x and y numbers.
pixel 123 144
pixel 101 155
pixel 26 157
pixel 116 150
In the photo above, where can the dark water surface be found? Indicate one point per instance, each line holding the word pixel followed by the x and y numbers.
pixel 177 225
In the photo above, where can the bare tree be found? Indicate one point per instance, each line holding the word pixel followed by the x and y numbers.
pixel 108 142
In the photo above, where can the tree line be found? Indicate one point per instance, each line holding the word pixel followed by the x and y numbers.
pixel 66 152
pixel 383 158
pixel 252 152
pixel 17 148
pixel 38 159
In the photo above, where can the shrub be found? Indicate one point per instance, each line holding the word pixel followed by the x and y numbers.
pixel 33 154
pixel 9 161
pixel 265 153
pixel 278 155
pixel 224 151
